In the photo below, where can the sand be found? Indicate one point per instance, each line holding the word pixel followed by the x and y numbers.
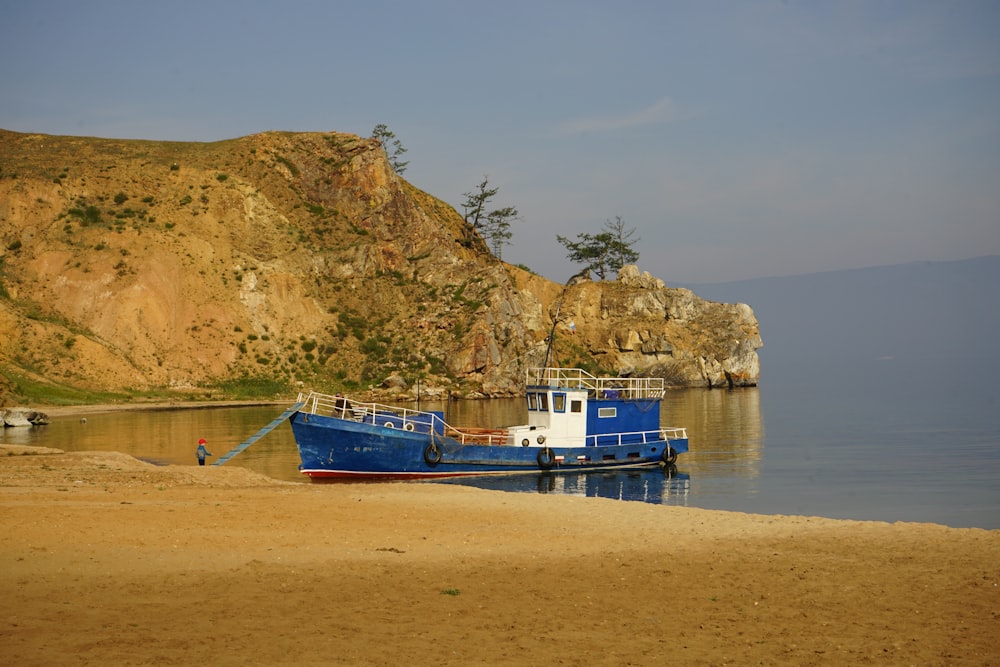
pixel 107 560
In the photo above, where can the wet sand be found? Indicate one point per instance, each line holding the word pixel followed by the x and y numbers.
pixel 105 559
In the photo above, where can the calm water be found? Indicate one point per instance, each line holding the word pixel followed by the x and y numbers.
pixel 878 444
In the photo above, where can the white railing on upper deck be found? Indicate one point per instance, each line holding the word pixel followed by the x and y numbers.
pixel 577 378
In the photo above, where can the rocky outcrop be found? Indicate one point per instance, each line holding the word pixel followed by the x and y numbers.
pixel 639 326
pixel 300 259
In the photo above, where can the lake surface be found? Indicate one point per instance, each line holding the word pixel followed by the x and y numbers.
pixel 873 443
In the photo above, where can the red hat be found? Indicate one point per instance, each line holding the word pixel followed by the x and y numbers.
pixel 202 441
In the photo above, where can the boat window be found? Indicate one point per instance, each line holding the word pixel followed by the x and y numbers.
pixel 559 402
pixel 543 402
pixel 531 401
pixel 607 412
pixel 576 406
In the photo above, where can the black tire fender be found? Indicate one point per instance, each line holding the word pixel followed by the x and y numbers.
pixel 432 455
pixel 546 458
pixel 669 455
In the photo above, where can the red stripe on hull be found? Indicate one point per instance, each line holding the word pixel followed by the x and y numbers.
pixel 344 475
pixel 363 476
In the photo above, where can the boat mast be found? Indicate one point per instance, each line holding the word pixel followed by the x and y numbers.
pixel 555 321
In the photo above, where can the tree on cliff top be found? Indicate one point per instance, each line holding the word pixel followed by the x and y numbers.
pixel 609 250
pixel 388 138
pixel 494 226
pixel 621 251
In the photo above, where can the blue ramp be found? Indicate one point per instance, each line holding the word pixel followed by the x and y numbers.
pixel 258 435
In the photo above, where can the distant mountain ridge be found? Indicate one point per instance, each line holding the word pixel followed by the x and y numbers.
pixel 922 315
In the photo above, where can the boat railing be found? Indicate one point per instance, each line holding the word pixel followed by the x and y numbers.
pixel 599 387
pixel 477 436
pixel 376 413
pixel 615 439
pixel 337 406
pixel 636 437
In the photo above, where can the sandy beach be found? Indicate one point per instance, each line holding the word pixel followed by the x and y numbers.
pixel 110 560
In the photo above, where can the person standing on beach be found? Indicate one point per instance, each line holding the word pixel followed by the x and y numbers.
pixel 202 452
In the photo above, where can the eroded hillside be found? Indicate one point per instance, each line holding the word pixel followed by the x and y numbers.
pixel 292 259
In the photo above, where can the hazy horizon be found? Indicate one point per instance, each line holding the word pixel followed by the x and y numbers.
pixel 911 263
pixel 917 323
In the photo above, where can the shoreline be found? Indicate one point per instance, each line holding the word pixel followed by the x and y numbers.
pixel 274 572
pixel 152 406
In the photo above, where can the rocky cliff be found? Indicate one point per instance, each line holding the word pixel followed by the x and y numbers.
pixel 282 260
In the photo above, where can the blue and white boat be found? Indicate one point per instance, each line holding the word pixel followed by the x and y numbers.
pixel 576 423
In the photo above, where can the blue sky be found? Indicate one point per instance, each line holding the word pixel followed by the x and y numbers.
pixel 739 139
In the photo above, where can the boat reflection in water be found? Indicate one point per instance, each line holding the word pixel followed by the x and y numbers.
pixel 658 486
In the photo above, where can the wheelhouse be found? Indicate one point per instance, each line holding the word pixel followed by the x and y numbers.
pixel 570 407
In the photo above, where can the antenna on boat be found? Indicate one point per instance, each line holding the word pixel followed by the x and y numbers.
pixel 555 321
pixel 552 334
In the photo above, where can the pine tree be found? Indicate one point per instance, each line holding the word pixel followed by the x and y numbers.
pixel 387 139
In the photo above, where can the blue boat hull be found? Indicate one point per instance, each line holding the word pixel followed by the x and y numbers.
pixel 337 448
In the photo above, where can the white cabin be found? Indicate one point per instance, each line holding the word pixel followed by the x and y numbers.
pixel 561 400
pixel 556 417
